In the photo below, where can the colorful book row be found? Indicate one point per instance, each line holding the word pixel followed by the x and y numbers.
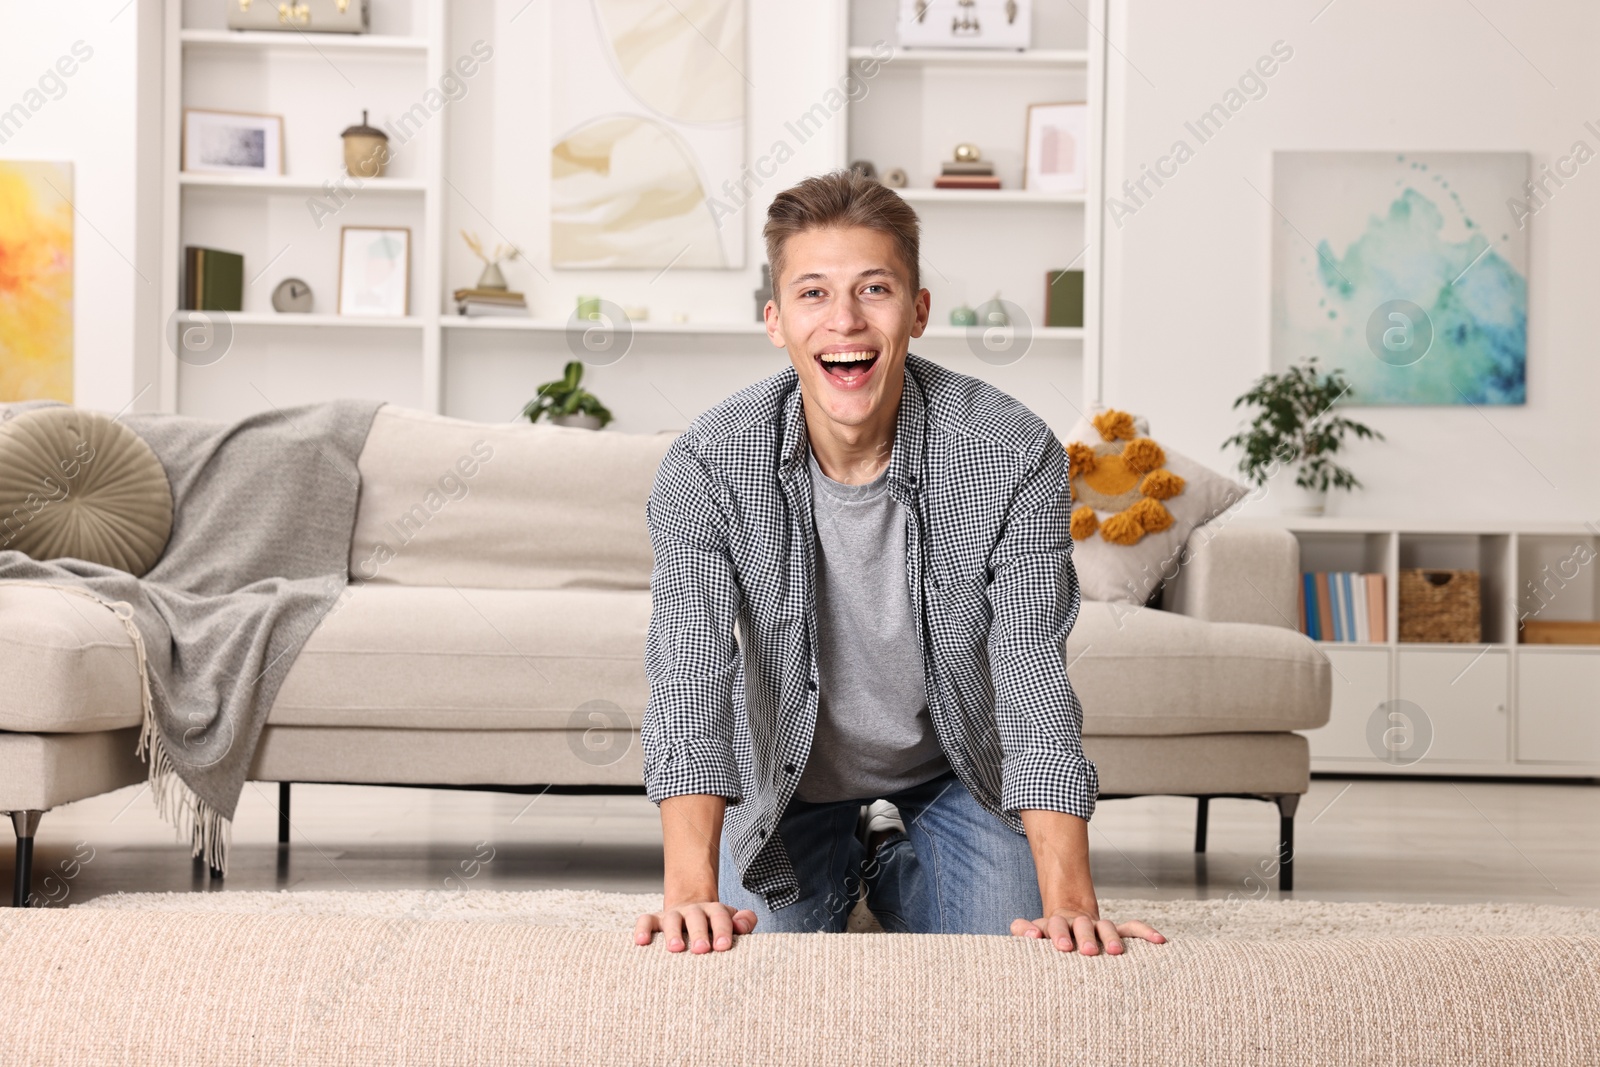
pixel 1343 606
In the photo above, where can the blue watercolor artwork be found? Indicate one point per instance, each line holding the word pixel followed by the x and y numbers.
pixel 1406 271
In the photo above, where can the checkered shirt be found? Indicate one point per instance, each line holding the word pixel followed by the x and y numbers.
pixel 989 565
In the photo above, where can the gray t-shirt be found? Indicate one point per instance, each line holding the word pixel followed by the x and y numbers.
pixel 874 735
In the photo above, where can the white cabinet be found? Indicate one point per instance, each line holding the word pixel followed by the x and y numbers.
pixel 1461 697
pixel 1360 685
pixel 1558 706
pixel 1509 704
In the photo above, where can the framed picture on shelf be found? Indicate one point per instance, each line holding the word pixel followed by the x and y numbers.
pixel 232 142
pixel 1056 159
pixel 375 271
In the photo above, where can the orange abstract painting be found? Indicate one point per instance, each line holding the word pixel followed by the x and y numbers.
pixel 35 281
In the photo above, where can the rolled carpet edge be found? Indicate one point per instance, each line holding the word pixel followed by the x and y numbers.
pixel 95 986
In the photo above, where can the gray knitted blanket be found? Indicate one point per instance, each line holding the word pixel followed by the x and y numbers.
pixel 264 511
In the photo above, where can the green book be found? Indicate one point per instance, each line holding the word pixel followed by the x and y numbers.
pixel 1063 298
pixel 213 280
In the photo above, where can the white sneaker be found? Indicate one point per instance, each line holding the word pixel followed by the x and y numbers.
pixel 882 815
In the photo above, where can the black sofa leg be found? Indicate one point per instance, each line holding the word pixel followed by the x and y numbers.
pixel 26 824
pixel 1287 803
pixel 1200 823
pixel 283 813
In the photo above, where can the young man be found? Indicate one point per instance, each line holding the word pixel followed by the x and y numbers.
pixel 891 540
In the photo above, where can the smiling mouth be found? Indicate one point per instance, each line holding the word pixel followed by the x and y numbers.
pixel 847 366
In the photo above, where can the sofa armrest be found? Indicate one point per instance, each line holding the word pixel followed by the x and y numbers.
pixel 1232 572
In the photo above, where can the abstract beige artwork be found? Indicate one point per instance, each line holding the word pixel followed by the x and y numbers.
pixel 649 118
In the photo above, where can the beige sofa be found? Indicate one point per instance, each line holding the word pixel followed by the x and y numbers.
pixel 493 636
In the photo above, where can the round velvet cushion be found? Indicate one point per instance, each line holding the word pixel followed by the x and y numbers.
pixel 80 485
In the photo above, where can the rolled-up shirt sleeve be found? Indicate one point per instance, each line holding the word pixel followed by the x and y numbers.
pixel 691 653
pixel 1035 598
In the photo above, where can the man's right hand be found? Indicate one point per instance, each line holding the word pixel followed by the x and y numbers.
pixel 701 926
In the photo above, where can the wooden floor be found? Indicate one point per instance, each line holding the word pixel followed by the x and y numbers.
pixel 1357 839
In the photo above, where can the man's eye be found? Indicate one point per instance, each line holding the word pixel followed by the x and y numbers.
pixel 876 285
pixel 808 292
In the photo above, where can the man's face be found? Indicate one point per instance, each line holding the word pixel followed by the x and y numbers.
pixel 847 316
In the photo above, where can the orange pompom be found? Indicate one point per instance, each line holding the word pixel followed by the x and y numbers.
pixel 1114 424
pixel 1161 484
pixel 1142 454
pixel 1150 514
pixel 1080 459
pixel 1123 528
pixel 1084 522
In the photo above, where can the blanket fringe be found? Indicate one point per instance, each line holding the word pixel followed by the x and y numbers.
pixel 210 833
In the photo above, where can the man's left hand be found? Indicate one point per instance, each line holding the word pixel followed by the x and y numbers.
pixel 1085 932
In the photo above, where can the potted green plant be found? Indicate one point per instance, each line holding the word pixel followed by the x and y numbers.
pixel 1295 424
pixel 566 404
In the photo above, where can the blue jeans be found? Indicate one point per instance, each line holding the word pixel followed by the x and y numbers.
pixel 956 870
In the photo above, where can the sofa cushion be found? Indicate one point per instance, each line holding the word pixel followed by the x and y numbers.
pixel 67 663
pixel 443 658
pixel 1146 671
pixel 489 659
pixel 503 505
pixel 1132 516
pixel 77 484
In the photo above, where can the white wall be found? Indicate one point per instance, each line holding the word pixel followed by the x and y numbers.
pixel 106 123
pixel 1188 274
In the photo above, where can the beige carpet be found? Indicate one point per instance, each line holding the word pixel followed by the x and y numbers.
pixel 1203 919
pixel 336 978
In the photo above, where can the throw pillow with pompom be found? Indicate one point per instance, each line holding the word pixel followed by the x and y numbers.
pixel 1134 503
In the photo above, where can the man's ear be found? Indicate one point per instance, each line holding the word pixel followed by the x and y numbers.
pixel 922 305
pixel 774 324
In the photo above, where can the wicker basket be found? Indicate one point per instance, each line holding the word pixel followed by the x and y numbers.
pixel 1439 605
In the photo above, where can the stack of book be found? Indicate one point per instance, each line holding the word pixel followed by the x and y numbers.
pixel 975 175
pixel 1343 606
pixel 477 302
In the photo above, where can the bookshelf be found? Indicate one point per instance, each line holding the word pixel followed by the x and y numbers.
pixel 481 163
pixel 920 103
pixel 1502 706
pixel 319 83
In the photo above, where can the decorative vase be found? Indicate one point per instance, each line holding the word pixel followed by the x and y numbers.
pixel 366 150
pixel 491 278
pixel 963 316
pixel 578 419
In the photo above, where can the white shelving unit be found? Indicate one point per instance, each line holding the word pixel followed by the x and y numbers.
pixel 320 83
pixel 980 57
pixel 987 197
pixel 514 323
pixel 436 360
pixel 284 184
pixel 1498 707
pixel 920 103
pixel 253 40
